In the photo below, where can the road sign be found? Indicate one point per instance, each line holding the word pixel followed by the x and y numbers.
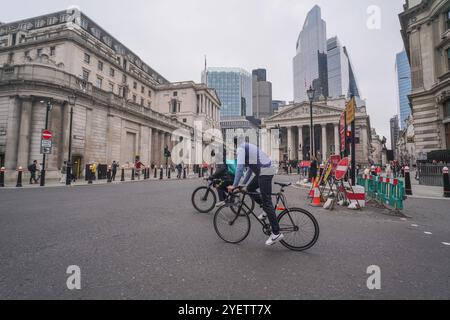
pixel 342 131
pixel 342 169
pixel 47 135
pixel 351 111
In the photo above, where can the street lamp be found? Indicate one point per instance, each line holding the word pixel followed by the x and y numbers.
pixel 47 113
pixel 72 102
pixel 311 93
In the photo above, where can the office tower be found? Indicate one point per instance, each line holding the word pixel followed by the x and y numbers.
pixel 234 87
pixel 395 132
pixel 262 95
pixel 310 62
pixel 404 86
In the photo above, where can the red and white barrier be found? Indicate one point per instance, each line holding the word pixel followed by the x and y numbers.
pixel 358 197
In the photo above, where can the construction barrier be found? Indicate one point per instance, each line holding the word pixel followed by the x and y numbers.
pixel 386 191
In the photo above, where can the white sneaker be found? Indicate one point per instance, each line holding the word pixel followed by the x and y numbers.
pixel 274 239
pixel 263 217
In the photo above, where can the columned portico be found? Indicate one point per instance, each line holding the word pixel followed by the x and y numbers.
pixel 324 146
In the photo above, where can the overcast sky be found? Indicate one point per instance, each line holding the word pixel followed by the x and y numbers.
pixel 173 36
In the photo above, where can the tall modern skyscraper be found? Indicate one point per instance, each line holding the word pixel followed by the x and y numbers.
pixel 234 87
pixel 395 132
pixel 404 86
pixel 310 62
pixel 262 95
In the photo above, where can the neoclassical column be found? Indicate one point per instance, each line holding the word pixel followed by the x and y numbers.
pixel 150 146
pixel 269 143
pixel 290 140
pixel 337 142
pixel 324 142
pixel 300 143
pixel 12 133
pixel 24 133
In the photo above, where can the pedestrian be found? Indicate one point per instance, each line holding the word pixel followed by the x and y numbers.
pixel 114 167
pixel 179 169
pixel 94 170
pixel 63 173
pixel 138 166
pixel 33 168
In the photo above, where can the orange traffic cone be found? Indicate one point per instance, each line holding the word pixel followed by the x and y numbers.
pixel 316 200
pixel 311 192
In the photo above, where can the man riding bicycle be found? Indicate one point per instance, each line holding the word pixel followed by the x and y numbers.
pixel 224 172
pixel 258 163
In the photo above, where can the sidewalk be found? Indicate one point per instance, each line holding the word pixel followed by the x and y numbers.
pixel 56 183
pixel 425 192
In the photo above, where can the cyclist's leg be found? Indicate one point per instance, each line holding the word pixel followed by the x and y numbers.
pixel 265 186
pixel 252 187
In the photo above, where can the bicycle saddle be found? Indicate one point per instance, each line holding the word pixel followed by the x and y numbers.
pixel 283 185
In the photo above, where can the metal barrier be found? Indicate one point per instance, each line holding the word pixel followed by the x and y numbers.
pixel 385 191
pixel 430 174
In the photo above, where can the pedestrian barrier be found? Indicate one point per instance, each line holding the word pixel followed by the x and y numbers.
pixel 446 183
pixel 385 191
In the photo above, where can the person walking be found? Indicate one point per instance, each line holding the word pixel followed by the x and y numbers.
pixel 63 173
pixel 33 168
pixel 114 167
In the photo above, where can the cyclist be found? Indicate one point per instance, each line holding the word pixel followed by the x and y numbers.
pixel 258 163
pixel 224 172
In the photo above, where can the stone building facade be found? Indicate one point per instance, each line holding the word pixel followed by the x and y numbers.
pixel 426 35
pixel 122 108
pixel 293 124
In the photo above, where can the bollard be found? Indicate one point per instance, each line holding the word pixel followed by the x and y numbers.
pixel 446 183
pixel 168 173
pixel 132 174
pixel 90 175
pixel 2 177
pixel 109 174
pixel 19 177
pixel 161 173
pixel 156 173
pixel 146 173
pixel 184 173
pixel 122 178
pixel 408 187
pixel 199 173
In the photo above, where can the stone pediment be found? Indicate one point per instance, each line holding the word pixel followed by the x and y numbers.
pixel 302 111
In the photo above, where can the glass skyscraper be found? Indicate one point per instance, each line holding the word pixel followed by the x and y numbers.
pixel 234 87
pixel 310 62
pixel 338 69
pixel 404 86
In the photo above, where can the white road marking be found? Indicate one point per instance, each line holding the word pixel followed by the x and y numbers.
pixel 414 225
pixel 428 233
pixel 403 219
pixel 446 244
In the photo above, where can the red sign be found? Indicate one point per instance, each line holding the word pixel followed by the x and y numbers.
pixel 342 168
pixel 47 135
pixel 335 161
pixel 342 131
pixel 305 164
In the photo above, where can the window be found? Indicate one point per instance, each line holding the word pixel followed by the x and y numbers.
pixel 10 58
pixel 112 72
pixel 149 93
pixel 447 110
pixel 52 51
pixel 174 106
pixel 85 75
pixel 150 104
pixel 39 52
pixel 99 82
pixel 135 85
pixel 447 16
pixel 27 54
pixel 175 94
pixel 448 59
pixel 184 120
pixel 111 87
pixel 142 102
pixel 142 89
pixel 100 66
pixel 134 98
pixel 124 78
pixel 87 58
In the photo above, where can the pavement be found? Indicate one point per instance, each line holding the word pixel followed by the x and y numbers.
pixel 145 241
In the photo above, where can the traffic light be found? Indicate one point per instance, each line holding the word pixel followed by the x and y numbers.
pixel 349 137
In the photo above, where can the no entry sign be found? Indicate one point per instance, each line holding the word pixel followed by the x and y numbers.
pixel 342 168
pixel 47 135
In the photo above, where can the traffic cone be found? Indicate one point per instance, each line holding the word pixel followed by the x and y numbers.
pixel 316 200
pixel 311 192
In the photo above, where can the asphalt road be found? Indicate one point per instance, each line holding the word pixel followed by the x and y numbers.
pixel 145 241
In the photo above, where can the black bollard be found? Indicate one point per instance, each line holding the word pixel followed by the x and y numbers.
pixel 156 173
pixel 2 177
pixel 109 175
pixel 161 174
pixel 19 177
pixel 184 173
pixel 132 174
pixel 199 173
pixel 408 187
pixel 122 178
pixel 446 183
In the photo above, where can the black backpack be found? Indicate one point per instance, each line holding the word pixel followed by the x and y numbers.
pixel 30 167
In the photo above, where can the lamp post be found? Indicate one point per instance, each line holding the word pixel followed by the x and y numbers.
pixel 47 113
pixel 72 101
pixel 311 92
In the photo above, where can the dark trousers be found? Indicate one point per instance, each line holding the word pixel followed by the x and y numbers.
pixel 113 176
pixel 264 199
pixel 222 190
pixel 33 177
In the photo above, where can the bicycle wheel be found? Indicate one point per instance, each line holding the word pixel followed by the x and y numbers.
pixel 204 199
pixel 300 229
pixel 231 227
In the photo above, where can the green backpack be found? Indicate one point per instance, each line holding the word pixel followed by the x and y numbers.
pixel 232 164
